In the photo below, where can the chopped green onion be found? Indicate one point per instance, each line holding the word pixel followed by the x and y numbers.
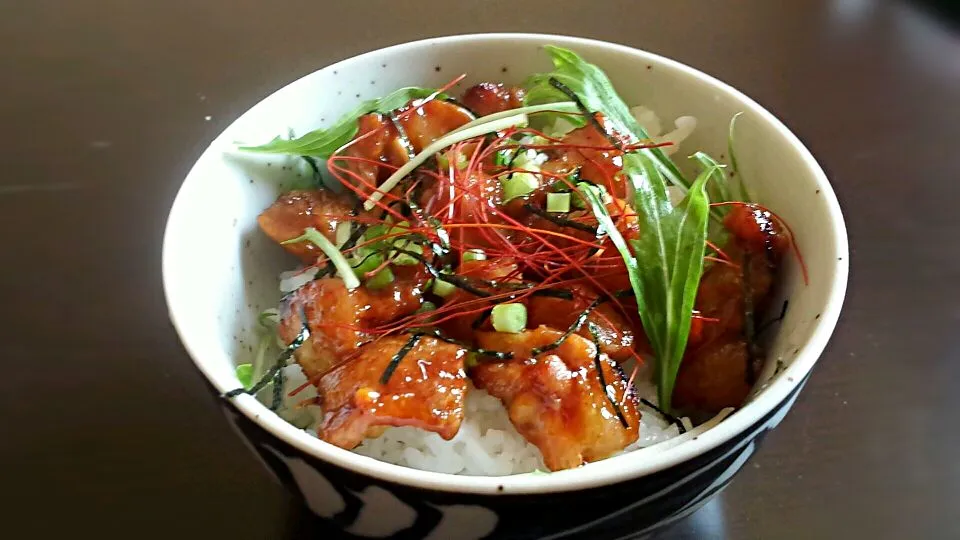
pixel 534 140
pixel 366 261
pixel 529 160
pixel 426 307
pixel 510 318
pixel 339 261
pixel 443 289
pixel 405 259
pixel 519 185
pixel 381 279
pixel 461 134
pixel 344 230
pixel 470 360
pixel 503 157
pixel 376 231
pixel 245 375
pixel 401 244
pixel 474 255
pixel 558 202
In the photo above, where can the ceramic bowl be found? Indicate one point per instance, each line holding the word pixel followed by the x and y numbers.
pixel 219 272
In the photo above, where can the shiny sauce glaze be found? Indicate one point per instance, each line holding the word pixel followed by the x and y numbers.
pixel 297 210
pixel 339 319
pixel 555 399
pixel 426 389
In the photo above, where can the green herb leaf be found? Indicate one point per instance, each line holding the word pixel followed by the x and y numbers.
pixel 595 90
pixel 322 143
pixel 672 248
pixel 672 240
pixel 381 279
pixel 245 375
pixel 719 182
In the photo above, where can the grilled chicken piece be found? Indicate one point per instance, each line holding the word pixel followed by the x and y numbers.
pixel 556 400
pixel 615 334
pixel 428 123
pixel 338 319
pixel 426 390
pixel 713 376
pixel 719 366
pixel 297 210
pixel 488 98
pixel 599 166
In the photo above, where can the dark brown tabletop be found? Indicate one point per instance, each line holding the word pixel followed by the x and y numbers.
pixel 107 428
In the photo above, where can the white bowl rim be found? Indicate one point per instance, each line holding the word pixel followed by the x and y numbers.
pixel 609 471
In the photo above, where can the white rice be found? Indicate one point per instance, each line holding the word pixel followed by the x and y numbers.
pixel 650 122
pixel 487 444
pixel 294 279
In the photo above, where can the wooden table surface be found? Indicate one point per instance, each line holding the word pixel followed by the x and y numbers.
pixel 107 428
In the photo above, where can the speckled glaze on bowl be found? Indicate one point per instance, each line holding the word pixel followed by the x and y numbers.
pixel 219 272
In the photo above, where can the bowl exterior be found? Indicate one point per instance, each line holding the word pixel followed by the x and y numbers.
pixel 615 498
pixel 352 505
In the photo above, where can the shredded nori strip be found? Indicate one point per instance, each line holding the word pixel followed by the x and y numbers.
pixel 458 103
pixel 667 416
pixel 317 177
pixel 578 323
pixel 271 374
pixel 624 293
pixel 749 334
pixel 497 355
pixel 554 293
pixel 355 236
pixel 402 135
pixel 357 208
pixel 395 361
pixel 575 327
pixel 583 108
pixel 598 363
pixel 783 313
pixel 457 281
pixel 437 334
pixel 277 390
pixel 471 284
pixel 364 260
pixel 561 221
pixel 478 322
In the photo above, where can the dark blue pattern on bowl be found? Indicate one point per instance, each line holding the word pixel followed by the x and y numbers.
pixel 367 507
